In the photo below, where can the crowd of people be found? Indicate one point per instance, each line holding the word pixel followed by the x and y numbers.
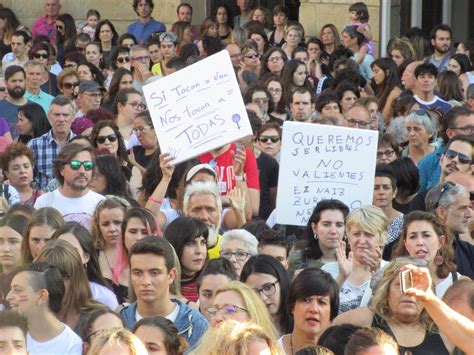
pixel 109 247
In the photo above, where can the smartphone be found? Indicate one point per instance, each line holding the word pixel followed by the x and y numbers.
pixel 406 280
pixel 238 147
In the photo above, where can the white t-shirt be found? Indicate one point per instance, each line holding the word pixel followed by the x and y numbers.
pixel 172 316
pixel 77 209
pixel 67 342
pixel 103 295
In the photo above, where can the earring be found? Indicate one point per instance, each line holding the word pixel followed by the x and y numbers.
pixel 439 260
pixel 316 236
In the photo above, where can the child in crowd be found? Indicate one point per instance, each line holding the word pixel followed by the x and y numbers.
pixel 93 17
pixel 359 16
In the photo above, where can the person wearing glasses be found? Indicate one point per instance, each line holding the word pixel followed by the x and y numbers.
pixel 140 61
pixel 358 117
pixel 90 96
pixel 152 271
pixel 237 246
pixel 73 169
pixel 67 81
pixel 267 276
pixel 141 155
pixel 269 140
pixel 388 149
pixel 451 203
pixel 239 302
pixel 120 58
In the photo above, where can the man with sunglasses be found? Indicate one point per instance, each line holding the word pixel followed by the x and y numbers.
pixel 451 203
pixel 90 97
pixel 73 169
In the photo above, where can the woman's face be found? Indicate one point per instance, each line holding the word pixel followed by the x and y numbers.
pixel 145 133
pixel 348 100
pixel 330 109
pixel 275 62
pixel 454 66
pixel 38 237
pixel 221 15
pixel 385 155
pixel 276 90
pixel 84 73
pixel 155 53
pixel 126 82
pixel 279 19
pixel 93 55
pixel 128 42
pixel 212 31
pixel 41 56
pixel 123 61
pixel 329 229
pixel 421 240
pixel 71 239
pixel 312 315
pixel 135 231
pixel 260 42
pixel 209 284
pixel 153 339
pixel 235 246
pixel 228 298
pixel 105 34
pixel 194 256
pixel 261 99
pixel 10 248
pixel 270 142
pixel 303 56
pixel 70 82
pixel 362 241
pixel 103 322
pixel 397 57
pixel 187 37
pixel 379 75
pixel 292 38
pixel 98 182
pixel 251 60
pixel 300 75
pixel 20 172
pixel 108 140
pixel 402 307
pixel 60 27
pixel 268 288
pixel 417 135
pixel 327 36
pixel 110 225
pixel 259 16
pixel 384 192
pixel 314 51
pixel 168 49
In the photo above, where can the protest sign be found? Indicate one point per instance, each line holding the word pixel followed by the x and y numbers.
pixel 198 108
pixel 320 162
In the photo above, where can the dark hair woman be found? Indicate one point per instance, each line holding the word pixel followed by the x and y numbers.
pixel 106 34
pixel 122 79
pixel 32 122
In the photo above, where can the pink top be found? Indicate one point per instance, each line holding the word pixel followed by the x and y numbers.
pixel 43 27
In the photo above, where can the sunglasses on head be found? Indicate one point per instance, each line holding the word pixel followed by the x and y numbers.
pixel 264 139
pixel 40 55
pixel 122 60
pixel 76 165
pixel 111 138
pixel 70 85
pixel 463 158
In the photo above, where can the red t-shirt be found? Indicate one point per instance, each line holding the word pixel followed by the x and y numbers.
pixel 225 169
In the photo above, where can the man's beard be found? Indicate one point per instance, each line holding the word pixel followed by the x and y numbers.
pixel 442 50
pixel 16 93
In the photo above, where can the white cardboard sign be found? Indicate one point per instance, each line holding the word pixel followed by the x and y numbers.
pixel 198 108
pixel 320 162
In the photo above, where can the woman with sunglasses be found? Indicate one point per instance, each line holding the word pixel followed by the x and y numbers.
pixel 261 98
pixel 251 63
pixel 68 80
pixel 267 276
pixel 421 132
pixel 269 139
pixel 40 52
pixel 120 58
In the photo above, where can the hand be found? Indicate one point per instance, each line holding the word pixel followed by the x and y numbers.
pixel 344 262
pixel 167 168
pixel 241 69
pixel 239 160
pixel 237 200
pixel 144 71
pixel 422 282
pixel 372 258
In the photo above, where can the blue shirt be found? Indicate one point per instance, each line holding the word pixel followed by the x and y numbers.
pixel 46 149
pixel 43 99
pixel 436 104
pixel 142 31
pixel 430 170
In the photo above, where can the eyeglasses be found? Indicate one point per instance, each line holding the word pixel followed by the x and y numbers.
pixel 463 158
pixel 275 91
pixel 41 55
pixel 265 139
pixel 388 153
pixel 275 59
pixel 268 289
pixel 141 129
pixel 261 101
pixel 76 165
pixel 466 129
pixel 142 58
pixel 228 310
pixel 70 85
pixel 252 56
pixel 137 105
pixel 446 187
pixel 122 60
pixel 239 255
pixel 111 138
pixel 352 123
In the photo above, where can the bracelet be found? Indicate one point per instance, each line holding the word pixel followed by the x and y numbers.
pixel 158 202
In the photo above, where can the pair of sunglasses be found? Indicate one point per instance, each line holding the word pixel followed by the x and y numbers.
pixel 76 165
pixel 463 158
pixel 111 138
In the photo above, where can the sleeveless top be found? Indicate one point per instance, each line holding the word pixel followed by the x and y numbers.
pixel 432 344
pixel 271 40
pixel 470 77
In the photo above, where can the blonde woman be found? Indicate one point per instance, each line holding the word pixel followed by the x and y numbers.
pixel 238 301
pixel 399 315
pixel 117 341
pixel 293 36
pixel 237 338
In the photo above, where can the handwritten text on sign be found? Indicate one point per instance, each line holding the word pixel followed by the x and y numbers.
pixel 323 162
pixel 198 108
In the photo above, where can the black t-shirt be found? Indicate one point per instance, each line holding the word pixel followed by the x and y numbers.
pixel 268 178
pixel 140 156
